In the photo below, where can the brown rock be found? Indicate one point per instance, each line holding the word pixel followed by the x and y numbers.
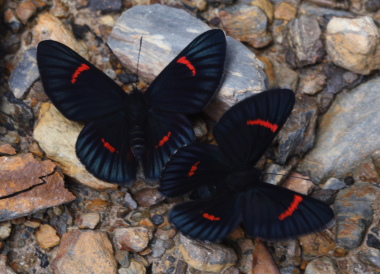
pixel 89 220
pixel 57 136
pixel 134 239
pixel 312 81
pixel 246 24
pixel 11 20
pixel 366 172
pixel 85 252
pixel 206 257
pixel 266 6
pixel 7 149
pixel 262 260
pixel 315 244
pixel 134 268
pixel 47 236
pixel 97 205
pixel 50 27
pixel 25 11
pixel 285 11
pixel 28 187
pixel 33 223
pixel 147 197
pixel 353 44
pixel 299 185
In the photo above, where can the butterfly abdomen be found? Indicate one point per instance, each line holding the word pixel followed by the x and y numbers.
pixel 137 141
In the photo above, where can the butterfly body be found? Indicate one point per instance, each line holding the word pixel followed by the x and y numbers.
pixel 243 180
pixel 124 129
pixel 234 191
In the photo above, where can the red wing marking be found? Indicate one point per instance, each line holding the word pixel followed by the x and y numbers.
pixel 185 61
pixel 79 70
pixel 293 207
pixel 267 124
pixel 210 217
pixel 109 147
pixel 164 140
pixel 194 168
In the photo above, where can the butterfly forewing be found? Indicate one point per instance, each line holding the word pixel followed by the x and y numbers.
pixel 167 132
pixel 103 147
pixel 77 88
pixel 210 220
pixel 247 129
pixel 189 82
pixel 191 167
pixel 271 212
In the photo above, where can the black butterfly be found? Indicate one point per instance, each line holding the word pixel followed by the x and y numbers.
pixel 229 190
pixel 122 128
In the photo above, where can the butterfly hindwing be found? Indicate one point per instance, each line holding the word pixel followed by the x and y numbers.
pixel 166 133
pixel 210 220
pixel 191 167
pixel 271 212
pixel 79 90
pixel 247 129
pixel 103 147
pixel 190 81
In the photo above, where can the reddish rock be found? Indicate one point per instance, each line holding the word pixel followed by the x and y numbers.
pixel 85 252
pixel 147 197
pixel 134 239
pixel 285 11
pixel 7 149
pixel 27 186
pixel 262 260
pixel 25 11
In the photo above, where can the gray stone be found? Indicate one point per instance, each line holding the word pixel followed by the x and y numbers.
pixel 339 146
pixel 25 74
pixel 322 265
pixel 166 31
pixel 371 256
pixel 334 184
pixel 354 214
pixel 304 42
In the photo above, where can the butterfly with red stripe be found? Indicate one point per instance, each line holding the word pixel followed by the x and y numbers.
pixel 122 129
pixel 228 189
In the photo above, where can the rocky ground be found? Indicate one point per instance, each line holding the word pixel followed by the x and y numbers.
pixel 57 218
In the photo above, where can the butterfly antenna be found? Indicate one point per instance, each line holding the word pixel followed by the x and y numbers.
pixel 286 175
pixel 138 58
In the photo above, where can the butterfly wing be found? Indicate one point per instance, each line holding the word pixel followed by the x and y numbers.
pixel 192 167
pixel 211 219
pixel 190 81
pixel 271 212
pixel 79 90
pixel 166 133
pixel 103 147
pixel 247 129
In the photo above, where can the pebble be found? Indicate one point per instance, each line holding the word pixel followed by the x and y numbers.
pixel 85 252
pixel 246 24
pixel 134 239
pixel 147 197
pixel 350 115
pixel 322 265
pixel 334 184
pixel 263 261
pixel 206 257
pixel 299 185
pixel 5 230
pixel 105 6
pixel 135 267
pixel 354 213
pixel 312 80
pixel 89 220
pixel 285 11
pixel 11 20
pixel 47 236
pixel 131 203
pixel 315 244
pixel 351 43
pixel 7 149
pixel 123 258
pixel 26 10
pixel 304 42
